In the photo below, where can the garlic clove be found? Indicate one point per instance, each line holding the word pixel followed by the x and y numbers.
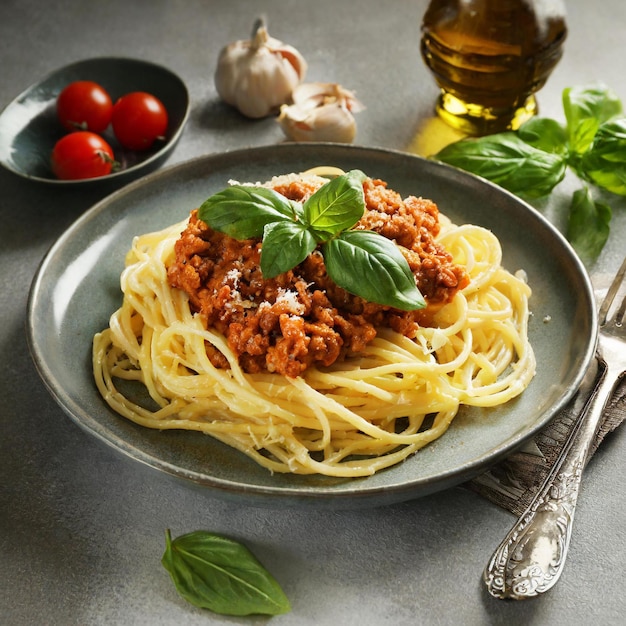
pixel 329 122
pixel 320 112
pixel 258 75
pixel 290 54
pixel 322 92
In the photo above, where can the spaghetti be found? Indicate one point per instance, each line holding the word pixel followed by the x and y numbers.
pixel 362 413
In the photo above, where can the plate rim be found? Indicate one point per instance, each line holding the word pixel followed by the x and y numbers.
pixel 319 497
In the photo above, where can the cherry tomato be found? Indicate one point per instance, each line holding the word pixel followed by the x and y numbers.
pixel 84 105
pixel 82 154
pixel 139 119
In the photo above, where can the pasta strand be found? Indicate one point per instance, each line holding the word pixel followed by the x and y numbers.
pixel 350 419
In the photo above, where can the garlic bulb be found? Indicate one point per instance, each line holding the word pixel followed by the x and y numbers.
pixel 320 112
pixel 258 75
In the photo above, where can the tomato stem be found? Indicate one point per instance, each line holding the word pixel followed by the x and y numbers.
pixel 115 165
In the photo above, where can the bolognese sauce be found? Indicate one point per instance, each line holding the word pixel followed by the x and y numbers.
pixel 301 317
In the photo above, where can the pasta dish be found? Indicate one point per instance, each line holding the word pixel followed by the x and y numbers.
pixel 297 372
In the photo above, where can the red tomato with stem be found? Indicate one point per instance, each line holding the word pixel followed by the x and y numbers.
pixel 80 155
pixel 84 105
pixel 138 120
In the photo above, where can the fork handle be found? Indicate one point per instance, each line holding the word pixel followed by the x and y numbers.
pixel 531 557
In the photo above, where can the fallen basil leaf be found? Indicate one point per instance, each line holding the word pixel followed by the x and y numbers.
pixel 285 245
pixel 222 575
pixel 242 211
pixel 586 107
pixel 372 267
pixel 508 161
pixel 544 134
pixel 605 161
pixel 336 206
pixel 588 225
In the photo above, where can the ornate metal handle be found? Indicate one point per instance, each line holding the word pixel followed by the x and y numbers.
pixel 531 557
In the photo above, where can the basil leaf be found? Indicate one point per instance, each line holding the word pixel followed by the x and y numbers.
pixel 242 211
pixel 371 266
pixel 285 245
pixel 588 225
pixel 508 161
pixel 585 109
pixel 544 134
pixel 222 575
pixel 336 206
pixel 605 161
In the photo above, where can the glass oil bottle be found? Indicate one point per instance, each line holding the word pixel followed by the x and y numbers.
pixel 490 57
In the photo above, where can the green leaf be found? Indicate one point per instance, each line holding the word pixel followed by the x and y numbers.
pixel 586 107
pixel 370 266
pixel 366 264
pixel 222 575
pixel 242 211
pixel 336 206
pixel 544 134
pixel 285 245
pixel 508 161
pixel 588 226
pixel 605 161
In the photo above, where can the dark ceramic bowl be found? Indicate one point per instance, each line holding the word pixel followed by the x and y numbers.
pixel 29 127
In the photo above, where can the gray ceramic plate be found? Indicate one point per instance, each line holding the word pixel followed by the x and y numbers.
pixel 29 127
pixel 77 288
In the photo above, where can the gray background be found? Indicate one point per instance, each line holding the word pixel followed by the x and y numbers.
pixel 82 529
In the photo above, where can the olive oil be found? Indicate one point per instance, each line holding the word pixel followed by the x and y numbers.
pixel 490 57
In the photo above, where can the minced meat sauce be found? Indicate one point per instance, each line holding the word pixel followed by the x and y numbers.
pixel 301 317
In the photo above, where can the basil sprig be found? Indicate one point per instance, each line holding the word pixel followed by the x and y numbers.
pixel 216 573
pixel 586 108
pixel 588 223
pixel 363 263
pixel 534 160
pixel 507 160
pixel 605 161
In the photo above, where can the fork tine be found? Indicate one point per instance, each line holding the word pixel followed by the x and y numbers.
pixel 611 293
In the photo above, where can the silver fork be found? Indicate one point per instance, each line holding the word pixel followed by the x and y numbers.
pixel 531 558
